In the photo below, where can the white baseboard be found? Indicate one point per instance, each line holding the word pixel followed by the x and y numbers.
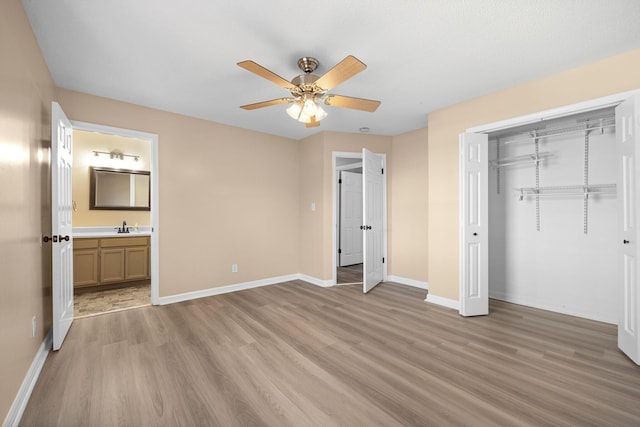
pixel 242 286
pixel 316 281
pixel 545 305
pixel 226 289
pixel 409 282
pixel 22 398
pixel 445 302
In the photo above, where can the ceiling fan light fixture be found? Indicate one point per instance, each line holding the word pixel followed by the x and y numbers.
pixel 302 111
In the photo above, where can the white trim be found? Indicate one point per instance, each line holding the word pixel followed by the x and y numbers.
pixel 445 302
pixel 409 282
pixel 554 113
pixel 315 281
pixel 243 286
pixel 349 167
pixel 24 393
pixel 155 201
pixel 545 305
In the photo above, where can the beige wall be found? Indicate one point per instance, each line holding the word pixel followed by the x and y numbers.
pixel 84 143
pixel 26 92
pixel 613 75
pixel 312 228
pixel 408 212
pixel 227 195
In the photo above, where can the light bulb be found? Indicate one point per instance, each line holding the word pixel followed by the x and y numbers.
pixel 310 107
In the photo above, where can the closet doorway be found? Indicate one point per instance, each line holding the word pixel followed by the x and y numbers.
pixel 562 235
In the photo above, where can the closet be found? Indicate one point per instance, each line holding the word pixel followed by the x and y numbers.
pixel 553 215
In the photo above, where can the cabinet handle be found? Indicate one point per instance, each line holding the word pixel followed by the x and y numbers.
pixel 626 242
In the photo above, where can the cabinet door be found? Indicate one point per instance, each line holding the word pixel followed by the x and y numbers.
pixel 111 265
pixel 85 267
pixel 136 263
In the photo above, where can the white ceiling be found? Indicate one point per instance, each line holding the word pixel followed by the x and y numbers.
pixel 422 55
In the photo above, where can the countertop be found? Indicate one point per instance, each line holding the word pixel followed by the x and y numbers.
pixel 102 232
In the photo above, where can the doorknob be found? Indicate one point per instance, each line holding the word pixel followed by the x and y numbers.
pixel 56 239
pixel 475 234
pixel 626 242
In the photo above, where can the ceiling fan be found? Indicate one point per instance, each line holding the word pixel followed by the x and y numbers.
pixel 308 91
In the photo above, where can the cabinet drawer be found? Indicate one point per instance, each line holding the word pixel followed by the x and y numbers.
pixel 85 243
pixel 123 242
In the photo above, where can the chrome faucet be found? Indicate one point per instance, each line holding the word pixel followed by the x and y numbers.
pixel 124 228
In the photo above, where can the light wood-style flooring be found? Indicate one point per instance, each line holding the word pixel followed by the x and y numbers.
pixel 349 274
pixel 294 354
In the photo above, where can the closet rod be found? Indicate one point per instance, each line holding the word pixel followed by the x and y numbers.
pixel 567 190
pixel 518 160
pixel 609 122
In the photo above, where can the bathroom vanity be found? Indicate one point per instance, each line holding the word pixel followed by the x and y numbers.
pixel 100 260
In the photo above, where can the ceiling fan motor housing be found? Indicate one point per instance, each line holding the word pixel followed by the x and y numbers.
pixel 308 64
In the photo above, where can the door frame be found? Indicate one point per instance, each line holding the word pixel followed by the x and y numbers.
pixel 155 206
pixel 554 113
pixel 335 214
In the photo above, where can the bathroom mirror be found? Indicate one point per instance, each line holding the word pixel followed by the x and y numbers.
pixel 119 189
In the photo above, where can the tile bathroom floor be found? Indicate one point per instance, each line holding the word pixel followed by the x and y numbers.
pixel 91 303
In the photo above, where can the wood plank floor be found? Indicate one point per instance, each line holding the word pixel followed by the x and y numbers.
pixel 294 354
pixel 349 274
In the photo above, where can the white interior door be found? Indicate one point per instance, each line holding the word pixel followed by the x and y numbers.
pixel 373 205
pixel 628 185
pixel 62 241
pixel 350 218
pixel 474 238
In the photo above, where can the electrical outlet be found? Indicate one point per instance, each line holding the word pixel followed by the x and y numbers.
pixel 34 324
pixel 234 268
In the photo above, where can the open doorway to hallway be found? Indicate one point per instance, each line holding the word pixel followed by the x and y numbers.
pixel 349 216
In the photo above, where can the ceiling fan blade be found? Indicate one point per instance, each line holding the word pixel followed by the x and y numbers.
pixel 266 103
pixel 313 123
pixel 345 69
pixel 267 74
pixel 354 103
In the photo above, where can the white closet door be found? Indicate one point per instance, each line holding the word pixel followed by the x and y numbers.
pixel 350 218
pixel 628 148
pixel 474 228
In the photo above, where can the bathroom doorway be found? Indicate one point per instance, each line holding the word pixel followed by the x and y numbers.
pixel 115 248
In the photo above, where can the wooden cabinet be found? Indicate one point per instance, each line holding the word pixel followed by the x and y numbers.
pixel 85 262
pixel 110 260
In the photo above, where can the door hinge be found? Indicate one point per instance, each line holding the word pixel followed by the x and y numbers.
pixel 339 251
pixel 383 260
pixel 340 181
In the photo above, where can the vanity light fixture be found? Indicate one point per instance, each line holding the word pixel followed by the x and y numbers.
pixel 116 155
